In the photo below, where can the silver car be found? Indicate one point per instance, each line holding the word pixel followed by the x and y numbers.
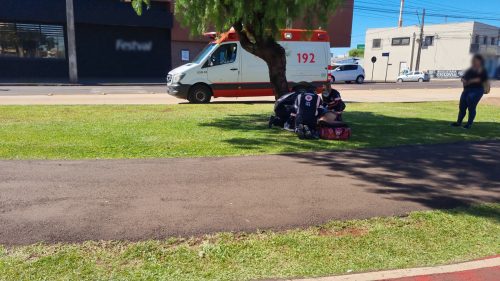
pixel 414 76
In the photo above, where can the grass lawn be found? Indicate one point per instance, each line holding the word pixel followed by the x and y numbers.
pixel 82 132
pixel 421 239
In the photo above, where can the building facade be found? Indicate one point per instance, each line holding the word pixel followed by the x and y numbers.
pixel 111 40
pixel 446 49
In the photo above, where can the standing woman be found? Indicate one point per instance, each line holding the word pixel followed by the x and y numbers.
pixel 473 80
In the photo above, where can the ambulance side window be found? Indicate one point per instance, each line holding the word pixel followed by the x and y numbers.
pixel 224 54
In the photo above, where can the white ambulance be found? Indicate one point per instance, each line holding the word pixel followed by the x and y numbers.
pixel 225 69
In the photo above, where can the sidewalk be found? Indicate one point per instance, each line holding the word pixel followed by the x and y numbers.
pixel 79 200
pixel 480 270
pixel 364 95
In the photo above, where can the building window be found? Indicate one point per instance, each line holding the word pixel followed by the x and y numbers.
pixel 493 41
pixel 485 40
pixel 377 43
pixel 32 41
pixel 477 40
pixel 402 41
pixel 429 41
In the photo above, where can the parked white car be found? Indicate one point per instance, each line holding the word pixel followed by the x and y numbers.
pixel 348 73
pixel 413 76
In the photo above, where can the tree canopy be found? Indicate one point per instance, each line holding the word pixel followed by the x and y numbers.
pixel 357 53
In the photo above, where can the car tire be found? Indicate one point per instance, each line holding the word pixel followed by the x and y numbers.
pixel 420 80
pixel 200 94
pixel 400 80
pixel 332 80
pixel 360 79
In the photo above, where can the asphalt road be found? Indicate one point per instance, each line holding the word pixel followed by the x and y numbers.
pixel 6 90
pixel 71 201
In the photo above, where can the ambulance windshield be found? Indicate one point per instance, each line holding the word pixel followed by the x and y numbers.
pixel 203 54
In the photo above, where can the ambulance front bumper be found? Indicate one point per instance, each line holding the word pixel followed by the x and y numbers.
pixel 178 90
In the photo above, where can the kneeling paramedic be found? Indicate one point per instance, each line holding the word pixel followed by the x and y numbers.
pixel 332 102
pixel 307 108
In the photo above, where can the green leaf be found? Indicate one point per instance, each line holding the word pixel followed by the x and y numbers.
pixel 137 5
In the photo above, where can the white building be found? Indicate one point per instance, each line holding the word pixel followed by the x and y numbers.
pixel 446 51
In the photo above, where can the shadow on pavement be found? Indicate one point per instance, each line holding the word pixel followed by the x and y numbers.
pixel 437 176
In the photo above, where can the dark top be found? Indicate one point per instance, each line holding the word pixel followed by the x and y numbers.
pixel 306 108
pixel 333 101
pixel 472 74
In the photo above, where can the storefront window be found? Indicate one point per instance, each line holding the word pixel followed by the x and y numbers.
pixel 32 41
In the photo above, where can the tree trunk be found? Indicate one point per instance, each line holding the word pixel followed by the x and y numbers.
pixel 272 53
pixel 276 62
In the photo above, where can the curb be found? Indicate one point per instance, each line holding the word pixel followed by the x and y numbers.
pixel 489 262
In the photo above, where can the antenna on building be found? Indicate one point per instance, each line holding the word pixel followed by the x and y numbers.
pixel 400 24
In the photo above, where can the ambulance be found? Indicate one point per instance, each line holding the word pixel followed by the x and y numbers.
pixel 225 69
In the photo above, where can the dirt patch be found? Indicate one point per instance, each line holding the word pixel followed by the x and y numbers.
pixel 350 231
pixel 492 101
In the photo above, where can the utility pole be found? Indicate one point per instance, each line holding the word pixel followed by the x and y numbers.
pixel 420 42
pixel 70 30
pixel 412 51
pixel 400 24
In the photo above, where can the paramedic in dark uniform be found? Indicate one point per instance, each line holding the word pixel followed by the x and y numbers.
pixel 307 107
pixel 332 101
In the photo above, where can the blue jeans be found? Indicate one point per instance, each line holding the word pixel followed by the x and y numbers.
pixel 468 101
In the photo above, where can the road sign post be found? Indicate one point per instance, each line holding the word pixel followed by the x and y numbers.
pixel 374 60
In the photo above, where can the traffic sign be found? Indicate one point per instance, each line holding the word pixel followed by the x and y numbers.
pixel 374 59
pixel 360 46
pixel 385 54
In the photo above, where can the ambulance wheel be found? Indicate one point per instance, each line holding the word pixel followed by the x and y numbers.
pixel 200 94
pixel 360 79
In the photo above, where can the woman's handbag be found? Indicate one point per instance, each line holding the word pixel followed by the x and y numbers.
pixel 487 87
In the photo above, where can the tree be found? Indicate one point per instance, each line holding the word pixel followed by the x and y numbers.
pixel 257 23
pixel 357 53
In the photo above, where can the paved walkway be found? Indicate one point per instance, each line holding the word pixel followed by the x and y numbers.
pixel 479 270
pixel 71 201
pixel 157 95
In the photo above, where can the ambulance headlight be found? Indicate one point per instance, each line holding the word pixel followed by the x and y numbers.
pixel 177 78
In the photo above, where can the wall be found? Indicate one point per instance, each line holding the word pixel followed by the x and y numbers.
pixel 193 47
pixel 122 52
pixel 450 49
pixel 490 52
pixel 339 25
pixel 99 24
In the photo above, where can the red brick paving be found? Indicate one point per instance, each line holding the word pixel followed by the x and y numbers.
pixel 482 274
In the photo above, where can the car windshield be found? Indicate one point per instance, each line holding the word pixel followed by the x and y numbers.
pixel 203 54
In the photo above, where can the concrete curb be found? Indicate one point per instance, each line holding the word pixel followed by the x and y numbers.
pixel 412 272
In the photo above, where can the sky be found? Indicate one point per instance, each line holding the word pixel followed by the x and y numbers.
pixel 385 13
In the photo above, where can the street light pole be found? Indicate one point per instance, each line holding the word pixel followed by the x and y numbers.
pixel 400 23
pixel 70 30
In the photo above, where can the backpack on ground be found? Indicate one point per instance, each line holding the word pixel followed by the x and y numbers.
pixel 335 131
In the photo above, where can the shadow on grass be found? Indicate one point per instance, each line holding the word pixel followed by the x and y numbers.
pixel 436 176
